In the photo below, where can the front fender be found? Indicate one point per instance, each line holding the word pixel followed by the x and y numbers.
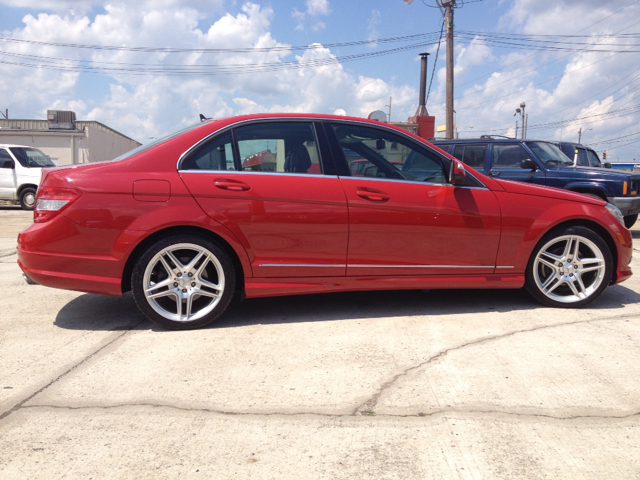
pixel 576 186
pixel 526 220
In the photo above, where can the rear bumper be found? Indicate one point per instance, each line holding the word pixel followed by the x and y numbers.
pixel 62 254
pixel 627 205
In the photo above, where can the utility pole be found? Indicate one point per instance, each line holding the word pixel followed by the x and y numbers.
pixel 579 134
pixel 448 6
pixel 524 120
pixel 389 117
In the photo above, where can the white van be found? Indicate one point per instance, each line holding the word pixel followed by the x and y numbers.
pixel 20 169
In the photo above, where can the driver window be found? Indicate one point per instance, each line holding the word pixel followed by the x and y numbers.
pixel 372 152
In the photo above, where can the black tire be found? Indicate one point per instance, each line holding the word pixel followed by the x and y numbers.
pixel 552 277
pixel 630 220
pixel 166 290
pixel 27 198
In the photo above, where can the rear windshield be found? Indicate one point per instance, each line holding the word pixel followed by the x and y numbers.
pixel 149 145
pixel 549 153
pixel 31 157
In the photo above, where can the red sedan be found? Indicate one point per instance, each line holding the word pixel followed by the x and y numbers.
pixel 186 222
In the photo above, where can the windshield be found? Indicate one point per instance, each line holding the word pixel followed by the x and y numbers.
pixel 549 153
pixel 31 157
pixel 142 148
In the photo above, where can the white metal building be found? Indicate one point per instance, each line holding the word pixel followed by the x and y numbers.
pixel 65 140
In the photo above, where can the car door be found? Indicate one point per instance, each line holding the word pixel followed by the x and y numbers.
pixel 7 176
pixel 267 183
pixel 412 221
pixel 506 160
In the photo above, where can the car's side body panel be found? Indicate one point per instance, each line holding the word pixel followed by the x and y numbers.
pixel 420 228
pixel 290 224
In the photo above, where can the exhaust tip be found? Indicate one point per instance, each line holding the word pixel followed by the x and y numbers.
pixel 28 280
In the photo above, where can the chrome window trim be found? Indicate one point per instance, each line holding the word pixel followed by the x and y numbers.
pixel 416 182
pixel 249 172
pixel 314 119
pixel 240 122
pixel 408 137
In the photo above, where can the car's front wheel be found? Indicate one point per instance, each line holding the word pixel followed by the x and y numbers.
pixel 183 282
pixel 570 267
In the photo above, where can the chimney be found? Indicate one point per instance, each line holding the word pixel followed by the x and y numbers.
pixel 422 103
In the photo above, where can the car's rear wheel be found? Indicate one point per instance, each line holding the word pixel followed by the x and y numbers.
pixel 28 198
pixel 570 267
pixel 183 282
pixel 630 220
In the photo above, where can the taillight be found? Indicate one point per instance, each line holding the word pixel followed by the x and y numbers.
pixel 52 200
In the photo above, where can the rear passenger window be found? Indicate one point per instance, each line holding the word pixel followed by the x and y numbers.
pixel 472 155
pixel 282 147
pixel 215 154
pixel 508 156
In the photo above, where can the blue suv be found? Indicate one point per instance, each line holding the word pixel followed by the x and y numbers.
pixel 543 163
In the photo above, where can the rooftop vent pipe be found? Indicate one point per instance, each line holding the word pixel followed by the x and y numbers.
pixel 422 103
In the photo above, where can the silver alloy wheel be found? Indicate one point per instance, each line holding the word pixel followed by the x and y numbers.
pixel 29 199
pixel 569 268
pixel 184 282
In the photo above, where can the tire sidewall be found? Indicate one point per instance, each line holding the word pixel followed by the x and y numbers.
pixel 137 281
pixel 530 283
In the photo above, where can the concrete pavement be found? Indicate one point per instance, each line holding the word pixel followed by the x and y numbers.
pixel 414 384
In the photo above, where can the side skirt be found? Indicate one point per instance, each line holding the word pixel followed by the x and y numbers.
pixel 272 287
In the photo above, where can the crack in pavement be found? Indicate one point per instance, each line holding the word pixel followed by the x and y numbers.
pixel 371 403
pixel 443 411
pixel 365 409
pixel 20 404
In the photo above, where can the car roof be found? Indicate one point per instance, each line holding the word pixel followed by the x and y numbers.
pixel 4 145
pixel 487 140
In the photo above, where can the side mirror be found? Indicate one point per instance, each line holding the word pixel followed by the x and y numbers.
pixel 9 164
pixel 528 164
pixel 458 174
pixel 607 165
pixel 381 144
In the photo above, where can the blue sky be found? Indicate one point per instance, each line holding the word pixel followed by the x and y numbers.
pixel 564 90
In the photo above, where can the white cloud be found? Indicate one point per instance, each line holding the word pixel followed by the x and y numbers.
pixel 315 8
pixel 143 106
pixel 318 7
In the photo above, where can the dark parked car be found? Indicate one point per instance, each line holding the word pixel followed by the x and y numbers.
pixel 267 205
pixel 543 163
